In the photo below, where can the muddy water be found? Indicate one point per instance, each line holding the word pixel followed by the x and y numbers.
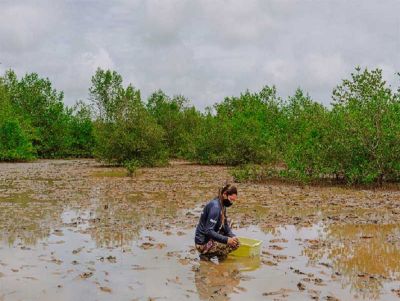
pixel 74 230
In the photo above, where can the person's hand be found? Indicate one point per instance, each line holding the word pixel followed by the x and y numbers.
pixel 233 241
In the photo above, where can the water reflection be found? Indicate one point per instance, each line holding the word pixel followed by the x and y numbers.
pixel 116 223
pixel 112 218
pixel 363 256
pixel 40 202
pixel 27 222
pixel 217 281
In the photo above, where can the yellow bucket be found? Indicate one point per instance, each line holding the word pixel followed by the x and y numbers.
pixel 248 247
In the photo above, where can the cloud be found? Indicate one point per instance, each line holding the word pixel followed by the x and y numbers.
pixel 324 69
pixel 81 69
pixel 204 49
pixel 163 21
pixel 21 27
pixel 100 59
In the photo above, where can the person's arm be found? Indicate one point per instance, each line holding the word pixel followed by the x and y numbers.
pixel 228 230
pixel 212 219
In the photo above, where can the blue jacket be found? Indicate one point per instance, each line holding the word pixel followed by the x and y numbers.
pixel 209 226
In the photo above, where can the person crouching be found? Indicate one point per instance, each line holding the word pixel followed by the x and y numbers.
pixel 214 236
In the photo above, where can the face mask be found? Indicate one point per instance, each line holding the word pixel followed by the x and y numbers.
pixel 227 203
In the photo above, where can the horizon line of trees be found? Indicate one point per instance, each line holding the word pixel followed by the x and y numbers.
pixel 357 140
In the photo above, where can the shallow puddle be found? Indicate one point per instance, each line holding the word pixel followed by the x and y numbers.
pixel 87 235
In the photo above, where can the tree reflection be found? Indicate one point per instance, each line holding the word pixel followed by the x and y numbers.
pixel 117 223
pixel 362 255
pixel 28 221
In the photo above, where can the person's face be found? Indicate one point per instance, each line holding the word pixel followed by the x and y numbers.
pixel 232 197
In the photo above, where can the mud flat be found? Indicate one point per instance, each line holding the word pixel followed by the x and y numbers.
pixel 76 230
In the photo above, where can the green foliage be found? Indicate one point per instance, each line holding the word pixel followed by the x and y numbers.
pixel 36 111
pixel 366 128
pixel 14 143
pixel 180 122
pixel 14 140
pixel 357 140
pixel 124 129
pixel 131 166
pixel 80 131
pixel 106 94
pixel 305 137
pixel 243 130
pixel 42 107
pixel 254 173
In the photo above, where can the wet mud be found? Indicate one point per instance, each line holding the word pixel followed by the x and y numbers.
pixel 77 230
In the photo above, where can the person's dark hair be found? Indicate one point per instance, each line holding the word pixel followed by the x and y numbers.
pixel 228 188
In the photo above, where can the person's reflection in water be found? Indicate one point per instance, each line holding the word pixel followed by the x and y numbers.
pixel 216 281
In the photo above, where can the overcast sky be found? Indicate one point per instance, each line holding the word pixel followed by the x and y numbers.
pixel 205 49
